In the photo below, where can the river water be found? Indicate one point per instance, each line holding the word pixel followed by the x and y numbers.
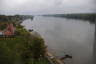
pixel 65 36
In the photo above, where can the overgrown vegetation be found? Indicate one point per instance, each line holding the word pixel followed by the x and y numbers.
pixel 24 48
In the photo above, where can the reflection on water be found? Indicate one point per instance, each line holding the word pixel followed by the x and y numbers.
pixel 66 36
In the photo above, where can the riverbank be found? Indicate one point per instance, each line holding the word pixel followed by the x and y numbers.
pixel 48 56
pixel 52 58
pixel 22 48
pixel 61 37
pixel 80 16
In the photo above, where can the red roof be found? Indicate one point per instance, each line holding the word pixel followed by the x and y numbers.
pixel 10 30
pixel 8 33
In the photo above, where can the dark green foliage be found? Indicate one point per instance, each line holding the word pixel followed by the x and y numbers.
pixel 3 26
pixel 21 49
pixel 24 48
pixel 38 48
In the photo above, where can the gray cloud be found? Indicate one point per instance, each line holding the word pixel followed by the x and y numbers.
pixel 46 6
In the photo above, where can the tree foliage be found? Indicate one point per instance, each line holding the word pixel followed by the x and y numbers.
pixel 21 48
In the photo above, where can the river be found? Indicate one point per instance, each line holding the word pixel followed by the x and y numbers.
pixel 65 36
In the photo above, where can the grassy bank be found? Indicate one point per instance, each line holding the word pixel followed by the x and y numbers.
pixel 23 48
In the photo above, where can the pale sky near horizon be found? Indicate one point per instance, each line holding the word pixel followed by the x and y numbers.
pixel 46 6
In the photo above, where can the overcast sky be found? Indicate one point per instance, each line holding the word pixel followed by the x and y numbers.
pixel 46 6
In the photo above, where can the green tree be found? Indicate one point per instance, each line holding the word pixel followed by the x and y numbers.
pixel 37 47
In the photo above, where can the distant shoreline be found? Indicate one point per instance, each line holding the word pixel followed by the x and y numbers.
pixel 87 16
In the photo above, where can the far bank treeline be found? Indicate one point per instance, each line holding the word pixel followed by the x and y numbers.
pixel 83 16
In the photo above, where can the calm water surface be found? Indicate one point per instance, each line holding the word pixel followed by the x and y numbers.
pixel 65 36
